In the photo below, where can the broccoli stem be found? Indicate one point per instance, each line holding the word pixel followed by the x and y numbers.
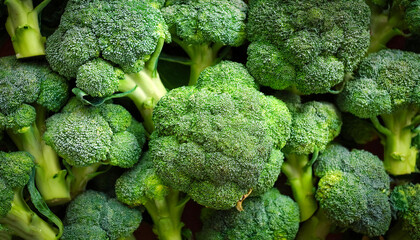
pixel 299 175
pixel 384 26
pixel 81 177
pixel 25 223
pixel 316 228
pixel 149 88
pixel 399 154
pixel 23 27
pixel 166 215
pixel 201 55
pixel 50 178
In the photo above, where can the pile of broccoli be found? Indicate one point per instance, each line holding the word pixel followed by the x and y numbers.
pixel 210 120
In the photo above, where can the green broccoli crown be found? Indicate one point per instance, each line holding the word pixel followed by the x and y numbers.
pixel 405 202
pixel 387 80
pixel 269 216
pixel 314 125
pixel 84 135
pixel 214 140
pixel 93 215
pixel 308 45
pixel 15 170
pixel 353 190
pixel 203 22
pixel 30 83
pixel 412 16
pixel 125 33
pixel 140 184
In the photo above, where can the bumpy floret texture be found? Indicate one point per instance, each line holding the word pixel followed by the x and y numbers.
pixel 15 170
pixel 93 215
pixel 203 22
pixel 23 83
pixel 307 45
pixel 125 33
pixel 140 184
pixel 85 135
pixel 269 216
pixel 387 80
pixel 353 190
pixel 218 139
pixel 314 125
pixel 405 200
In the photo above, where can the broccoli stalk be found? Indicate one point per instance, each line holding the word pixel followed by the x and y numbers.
pixel 298 170
pixel 50 178
pixel 148 87
pixel 166 215
pixel 396 232
pixel 399 155
pixel 201 55
pixel 317 227
pixel 80 178
pixel 23 28
pixel 25 223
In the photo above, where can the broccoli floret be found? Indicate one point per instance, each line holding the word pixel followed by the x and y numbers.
pixel 387 86
pixel 314 125
pixel 202 28
pixel 405 202
pixel 23 27
pixel 16 217
pixel 219 139
pixel 266 217
pixel 352 193
pixel 306 46
pixel 28 91
pixel 141 186
pixel 93 215
pixel 390 19
pixel 112 46
pixel 87 137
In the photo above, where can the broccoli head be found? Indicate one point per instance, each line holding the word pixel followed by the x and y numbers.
pixel 353 190
pixel 219 139
pixel 142 186
pixel 111 46
pixel 15 214
pixel 87 137
pixel 387 86
pixel 306 46
pixel 93 215
pixel 266 217
pixel 405 202
pixel 28 91
pixel 314 125
pixel 203 27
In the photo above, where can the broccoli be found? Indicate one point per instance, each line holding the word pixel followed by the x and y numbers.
pixel 202 28
pixel 141 186
pixel 390 19
pixel 114 49
pixel 352 193
pixel 266 217
pixel 219 139
pixel 306 46
pixel 16 218
pixel 28 92
pixel 405 202
pixel 314 125
pixel 23 27
pixel 93 215
pixel 87 137
pixel 388 86
pixel 357 130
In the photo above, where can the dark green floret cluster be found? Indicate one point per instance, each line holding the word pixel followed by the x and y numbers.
pixel 269 216
pixel 94 215
pixel 306 46
pixel 220 139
